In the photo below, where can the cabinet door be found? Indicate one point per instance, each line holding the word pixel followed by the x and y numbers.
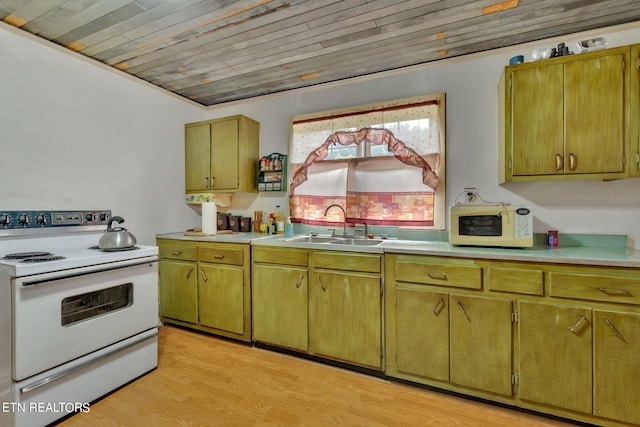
pixel 224 155
pixel 280 306
pixel 422 333
pixel 634 121
pixel 595 115
pixel 537 120
pixel 221 297
pixel 616 366
pixel 177 288
pixel 345 317
pixel 481 330
pixel 555 355
pixel 197 157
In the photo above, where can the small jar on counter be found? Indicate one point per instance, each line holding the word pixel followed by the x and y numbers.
pixel 552 238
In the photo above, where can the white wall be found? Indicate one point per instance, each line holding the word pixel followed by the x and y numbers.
pixel 76 135
pixel 470 84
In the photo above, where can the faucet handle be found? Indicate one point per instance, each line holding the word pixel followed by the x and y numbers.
pixel 364 228
pixel 333 231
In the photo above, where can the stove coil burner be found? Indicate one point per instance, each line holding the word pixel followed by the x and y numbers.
pixel 42 258
pixel 23 255
pixel 33 256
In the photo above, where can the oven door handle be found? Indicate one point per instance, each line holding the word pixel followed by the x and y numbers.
pixel 142 337
pixel 83 273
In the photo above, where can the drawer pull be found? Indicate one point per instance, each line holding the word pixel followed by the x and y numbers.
pixel 299 281
pixel 572 161
pixel 437 276
pixel 614 291
pixel 439 306
pixel 176 253
pixel 463 310
pixel 218 256
pixel 558 162
pixel 189 274
pixel 576 328
pixel 321 285
pixel 613 328
pixel 204 277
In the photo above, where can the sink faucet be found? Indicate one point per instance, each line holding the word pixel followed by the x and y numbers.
pixel 344 225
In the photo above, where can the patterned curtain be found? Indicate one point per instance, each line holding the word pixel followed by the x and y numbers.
pixel 386 172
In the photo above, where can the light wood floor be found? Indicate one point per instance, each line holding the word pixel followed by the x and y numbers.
pixel 205 381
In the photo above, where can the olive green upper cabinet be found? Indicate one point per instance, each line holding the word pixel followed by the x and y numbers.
pixel 220 155
pixel 635 111
pixel 566 117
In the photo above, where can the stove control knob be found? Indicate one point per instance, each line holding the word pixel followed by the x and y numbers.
pixel 4 220
pixel 103 217
pixel 23 220
pixel 90 217
pixel 41 219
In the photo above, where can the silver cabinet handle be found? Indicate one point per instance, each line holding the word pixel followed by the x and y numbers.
pixel 213 182
pixel 463 310
pixel 189 274
pixel 218 257
pixel 559 162
pixel 206 182
pixel 438 307
pixel 176 253
pixel 204 277
pixel 300 281
pixel 614 291
pixel 572 161
pixel 613 328
pixel 437 276
pixel 576 328
pixel 321 285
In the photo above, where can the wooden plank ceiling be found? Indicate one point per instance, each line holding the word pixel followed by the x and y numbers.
pixel 217 51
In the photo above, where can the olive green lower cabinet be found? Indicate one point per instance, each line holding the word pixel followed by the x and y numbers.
pixel 557 339
pixel 440 334
pixel 206 286
pixel 280 297
pixel 324 303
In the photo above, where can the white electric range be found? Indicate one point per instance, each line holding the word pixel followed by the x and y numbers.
pixel 76 322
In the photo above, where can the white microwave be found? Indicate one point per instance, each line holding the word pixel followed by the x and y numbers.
pixel 491 225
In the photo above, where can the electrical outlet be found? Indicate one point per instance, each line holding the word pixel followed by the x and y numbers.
pixel 470 194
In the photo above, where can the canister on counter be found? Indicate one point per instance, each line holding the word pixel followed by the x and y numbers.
pixel 245 223
pixel 223 221
pixel 234 222
pixel 552 238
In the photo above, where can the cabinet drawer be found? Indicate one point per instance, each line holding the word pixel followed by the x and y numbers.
pixel 285 256
pixel 442 274
pixel 348 261
pixel 595 287
pixel 221 255
pixel 182 252
pixel 516 280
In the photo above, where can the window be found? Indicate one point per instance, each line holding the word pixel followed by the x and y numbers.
pixel 384 164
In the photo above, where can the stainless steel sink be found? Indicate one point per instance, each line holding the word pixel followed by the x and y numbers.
pixel 310 239
pixel 356 242
pixel 335 240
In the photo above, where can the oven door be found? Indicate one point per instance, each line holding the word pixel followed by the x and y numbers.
pixel 60 316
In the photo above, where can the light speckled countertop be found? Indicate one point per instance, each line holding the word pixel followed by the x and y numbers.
pixel 235 237
pixel 584 255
